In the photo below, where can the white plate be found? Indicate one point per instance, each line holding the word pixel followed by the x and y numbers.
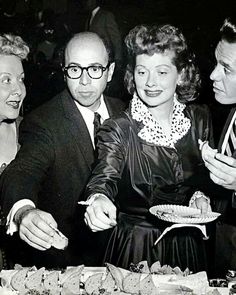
pixel 182 214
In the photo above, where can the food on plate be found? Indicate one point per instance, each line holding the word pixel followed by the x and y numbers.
pixel 70 280
pixel 60 241
pixel 18 279
pixel 109 280
pixel 156 268
pixel 108 284
pixel 51 281
pixel 147 286
pixel 93 283
pixel 34 280
pixel 206 150
pixel 131 283
pixel 117 274
pixel 141 267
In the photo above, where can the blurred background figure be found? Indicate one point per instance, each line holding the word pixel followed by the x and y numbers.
pixel 13 50
pixel 103 22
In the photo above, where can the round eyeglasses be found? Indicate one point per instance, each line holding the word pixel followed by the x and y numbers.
pixel 76 71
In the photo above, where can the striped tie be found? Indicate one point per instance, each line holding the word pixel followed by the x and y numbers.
pixel 230 149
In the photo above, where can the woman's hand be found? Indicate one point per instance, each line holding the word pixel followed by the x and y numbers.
pixel 101 214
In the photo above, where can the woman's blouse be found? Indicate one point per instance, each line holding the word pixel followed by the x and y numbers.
pixel 140 167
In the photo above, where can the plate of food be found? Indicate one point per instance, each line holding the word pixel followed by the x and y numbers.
pixel 182 214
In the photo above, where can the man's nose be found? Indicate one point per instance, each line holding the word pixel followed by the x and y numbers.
pixel 151 80
pixel 216 74
pixel 85 79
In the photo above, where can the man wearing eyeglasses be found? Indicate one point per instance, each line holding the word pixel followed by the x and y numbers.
pixel 41 188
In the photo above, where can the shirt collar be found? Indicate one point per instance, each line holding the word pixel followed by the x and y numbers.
pixel 87 113
pixel 95 11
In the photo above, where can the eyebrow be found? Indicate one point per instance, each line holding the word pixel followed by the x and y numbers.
pixel 225 65
pixel 79 65
pixel 162 65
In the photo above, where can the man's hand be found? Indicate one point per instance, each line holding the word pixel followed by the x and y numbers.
pixel 35 229
pixel 222 170
pixel 101 214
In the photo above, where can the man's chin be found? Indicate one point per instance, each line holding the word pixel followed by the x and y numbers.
pixel 225 100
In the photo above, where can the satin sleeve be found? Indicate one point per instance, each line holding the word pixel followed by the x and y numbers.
pixel 112 153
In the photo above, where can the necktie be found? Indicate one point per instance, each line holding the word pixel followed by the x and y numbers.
pixel 230 150
pixel 230 147
pixel 97 124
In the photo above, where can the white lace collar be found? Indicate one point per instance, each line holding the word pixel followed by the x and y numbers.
pixel 152 132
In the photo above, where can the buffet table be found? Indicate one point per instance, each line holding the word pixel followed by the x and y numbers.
pixel 114 279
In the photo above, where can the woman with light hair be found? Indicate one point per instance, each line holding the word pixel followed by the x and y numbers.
pixel 13 50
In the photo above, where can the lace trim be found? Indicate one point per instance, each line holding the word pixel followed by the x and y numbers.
pixel 152 132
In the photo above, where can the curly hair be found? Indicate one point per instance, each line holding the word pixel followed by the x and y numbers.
pixel 13 45
pixel 148 40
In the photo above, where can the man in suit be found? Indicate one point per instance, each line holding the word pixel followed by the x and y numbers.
pixel 41 187
pixel 103 22
pixel 222 167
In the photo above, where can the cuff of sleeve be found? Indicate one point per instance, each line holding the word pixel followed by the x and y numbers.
pixel 11 224
pixel 91 199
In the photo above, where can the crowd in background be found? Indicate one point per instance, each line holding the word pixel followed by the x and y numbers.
pixel 47 26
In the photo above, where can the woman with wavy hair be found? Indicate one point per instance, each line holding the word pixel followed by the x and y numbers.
pixel 149 154
pixel 13 50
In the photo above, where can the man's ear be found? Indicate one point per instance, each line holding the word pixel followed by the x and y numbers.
pixel 110 71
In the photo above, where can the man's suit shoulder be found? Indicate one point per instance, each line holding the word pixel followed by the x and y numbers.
pixel 48 111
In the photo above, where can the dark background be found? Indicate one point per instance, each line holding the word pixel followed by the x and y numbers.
pixel 199 20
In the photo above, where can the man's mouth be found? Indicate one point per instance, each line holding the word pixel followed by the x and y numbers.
pixel 86 93
pixel 216 89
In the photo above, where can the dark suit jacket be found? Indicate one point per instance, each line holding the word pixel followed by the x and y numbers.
pixel 227 200
pixel 52 169
pixel 105 25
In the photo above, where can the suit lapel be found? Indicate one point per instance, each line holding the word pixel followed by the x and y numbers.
pixel 78 129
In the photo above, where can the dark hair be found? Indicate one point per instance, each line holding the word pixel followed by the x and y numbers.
pixel 13 45
pixel 148 40
pixel 228 30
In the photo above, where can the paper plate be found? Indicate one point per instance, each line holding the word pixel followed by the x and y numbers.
pixel 182 214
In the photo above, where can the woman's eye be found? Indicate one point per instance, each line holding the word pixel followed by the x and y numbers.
pixel 162 73
pixel 141 73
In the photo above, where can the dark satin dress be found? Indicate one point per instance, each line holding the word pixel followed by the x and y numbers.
pixel 136 175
